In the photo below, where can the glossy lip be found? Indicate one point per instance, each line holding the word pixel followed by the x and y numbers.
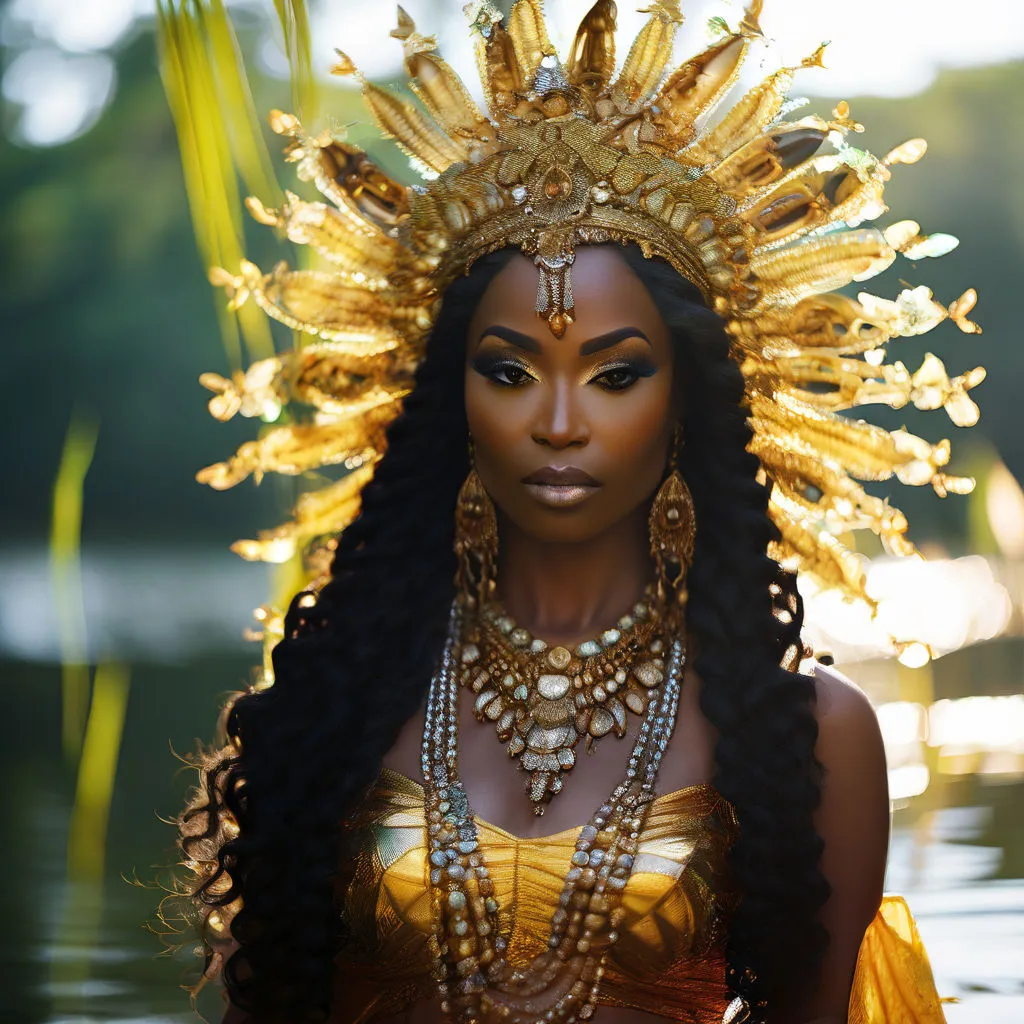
pixel 562 495
pixel 561 486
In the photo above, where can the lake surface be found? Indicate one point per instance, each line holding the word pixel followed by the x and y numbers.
pixel 82 953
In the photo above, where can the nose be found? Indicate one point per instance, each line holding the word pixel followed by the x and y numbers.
pixel 561 421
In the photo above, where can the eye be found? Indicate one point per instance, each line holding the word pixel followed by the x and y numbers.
pixel 618 378
pixel 504 372
pixel 621 376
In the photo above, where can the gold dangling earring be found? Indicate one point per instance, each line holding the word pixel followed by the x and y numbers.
pixel 476 538
pixel 673 526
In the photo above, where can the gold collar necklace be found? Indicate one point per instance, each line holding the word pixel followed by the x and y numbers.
pixel 475 981
pixel 544 698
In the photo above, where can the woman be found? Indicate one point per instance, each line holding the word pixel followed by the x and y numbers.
pixel 594 352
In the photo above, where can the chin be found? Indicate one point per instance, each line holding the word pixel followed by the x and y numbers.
pixel 558 525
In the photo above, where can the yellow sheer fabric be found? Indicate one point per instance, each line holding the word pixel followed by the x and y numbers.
pixel 668 960
pixel 893 982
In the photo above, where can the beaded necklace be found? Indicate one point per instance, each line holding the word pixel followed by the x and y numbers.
pixel 543 699
pixel 560 986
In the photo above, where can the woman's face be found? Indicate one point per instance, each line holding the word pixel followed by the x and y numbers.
pixel 597 401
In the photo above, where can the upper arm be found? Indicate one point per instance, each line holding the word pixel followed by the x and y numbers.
pixel 853 822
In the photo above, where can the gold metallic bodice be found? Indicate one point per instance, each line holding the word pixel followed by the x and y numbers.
pixel 668 958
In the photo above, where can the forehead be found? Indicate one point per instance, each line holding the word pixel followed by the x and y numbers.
pixel 606 291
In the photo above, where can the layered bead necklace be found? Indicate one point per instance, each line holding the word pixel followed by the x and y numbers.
pixel 475 981
pixel 543 699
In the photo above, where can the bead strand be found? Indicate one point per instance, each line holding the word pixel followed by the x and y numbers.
pixel 472 975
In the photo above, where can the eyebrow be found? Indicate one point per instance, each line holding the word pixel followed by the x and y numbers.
pixel 589 347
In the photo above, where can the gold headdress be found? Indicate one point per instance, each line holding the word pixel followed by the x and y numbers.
pixel 567 153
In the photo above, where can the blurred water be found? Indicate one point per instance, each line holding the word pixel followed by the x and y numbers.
pixel 82 953
pixel 140 603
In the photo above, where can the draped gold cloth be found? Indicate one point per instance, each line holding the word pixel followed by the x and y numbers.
pixel 668 960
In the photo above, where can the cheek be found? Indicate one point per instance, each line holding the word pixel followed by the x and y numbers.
pixel 500 427
pixel 483 414
pixel 634 430
pixel 637 424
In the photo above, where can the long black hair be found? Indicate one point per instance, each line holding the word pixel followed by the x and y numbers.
pixel 264 829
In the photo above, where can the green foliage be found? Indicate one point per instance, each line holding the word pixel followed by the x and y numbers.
pixel 105 302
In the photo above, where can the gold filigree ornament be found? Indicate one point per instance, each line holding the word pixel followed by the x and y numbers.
pixel 767 216
pixel 544 698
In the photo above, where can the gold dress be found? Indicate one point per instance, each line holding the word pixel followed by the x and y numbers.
pixel 669 958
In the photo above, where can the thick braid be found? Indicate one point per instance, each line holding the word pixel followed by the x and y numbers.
pixel 746 615
pixel 352 669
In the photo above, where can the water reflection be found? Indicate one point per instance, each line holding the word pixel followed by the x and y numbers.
pixel 80 953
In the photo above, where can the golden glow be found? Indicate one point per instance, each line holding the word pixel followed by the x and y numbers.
pixel 934 606
pixel 1004 503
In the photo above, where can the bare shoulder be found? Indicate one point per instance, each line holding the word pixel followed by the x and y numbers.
pixel 845 716
pixel 853 823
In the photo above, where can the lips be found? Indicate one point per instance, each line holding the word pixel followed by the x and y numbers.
pixel 561 476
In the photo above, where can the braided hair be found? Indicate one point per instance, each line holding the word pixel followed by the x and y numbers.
pixel 302 754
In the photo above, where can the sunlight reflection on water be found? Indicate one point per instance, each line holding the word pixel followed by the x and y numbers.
pixel 83 956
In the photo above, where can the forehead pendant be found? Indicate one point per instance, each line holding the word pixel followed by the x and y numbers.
pixel 554 287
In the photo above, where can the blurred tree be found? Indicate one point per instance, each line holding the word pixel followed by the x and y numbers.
pixel 105 302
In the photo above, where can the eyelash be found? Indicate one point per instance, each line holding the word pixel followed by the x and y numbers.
pixel 490 370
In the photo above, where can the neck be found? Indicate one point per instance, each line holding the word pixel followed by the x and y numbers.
pixel 568 592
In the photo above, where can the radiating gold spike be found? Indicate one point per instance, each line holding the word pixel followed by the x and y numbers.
pixel 348 327
pixel 446 97
pixel 647 58
pixel 374 194
pixel 359 255
pixel 300 447
pixel 500 73
pixel 348 177
pixel 437 85
pixel 823 264
pixel 326 358
pixel 756 109
pixel 591 61
pixel 320 513
pixel 415 133
pixel 317 298
pixel 815 550
pixel 764 160
pixel 325 392
pixel 748 118
pixel 529 35
pixel 820 321
pixel 316 375
pixel 824 190
pixel 838 382
pixel 799 470
pixel 697 86
pixel 866 451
